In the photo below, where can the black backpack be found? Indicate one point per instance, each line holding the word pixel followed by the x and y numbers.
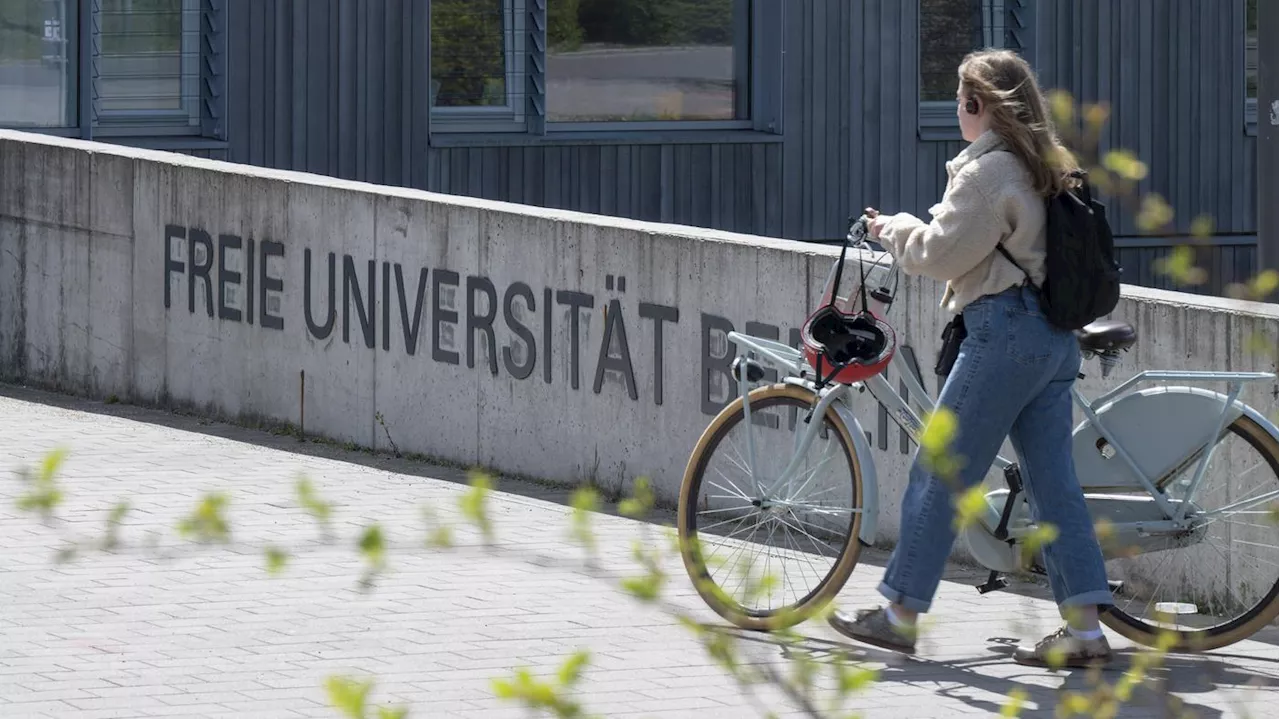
pixel 1082 277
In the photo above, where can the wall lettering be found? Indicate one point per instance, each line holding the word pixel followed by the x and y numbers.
pixel 481 322
pixel 250 279
pixel 409 326
pixel 267 283
pixel 659 314
pixel 318 331
pixel 526 348
pixel 443 319
pixel 351 291
pixel 227 276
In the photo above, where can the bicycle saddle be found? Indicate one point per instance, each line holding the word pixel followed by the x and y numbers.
pixel 1107 336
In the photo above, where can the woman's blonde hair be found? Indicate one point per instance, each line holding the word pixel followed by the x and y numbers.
pixel 1007 87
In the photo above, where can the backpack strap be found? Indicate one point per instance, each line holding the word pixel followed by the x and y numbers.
pixel 1009 257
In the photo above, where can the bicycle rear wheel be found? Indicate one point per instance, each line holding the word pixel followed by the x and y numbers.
pixel 806 530
pixel 1223 587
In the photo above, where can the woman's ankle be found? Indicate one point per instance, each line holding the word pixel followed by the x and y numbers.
pixel 1082 619
pixel 900 615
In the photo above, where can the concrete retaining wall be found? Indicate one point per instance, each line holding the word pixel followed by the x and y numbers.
pixel 552 344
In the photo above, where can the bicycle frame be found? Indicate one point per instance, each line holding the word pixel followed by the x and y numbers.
pixel 908 415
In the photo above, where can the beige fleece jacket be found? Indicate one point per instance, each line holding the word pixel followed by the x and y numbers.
pixel 989 198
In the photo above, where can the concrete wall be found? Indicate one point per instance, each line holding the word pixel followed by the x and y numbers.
pixel 105 251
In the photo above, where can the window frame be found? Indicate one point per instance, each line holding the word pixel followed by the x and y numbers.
pixel 204 67
pixel 762 28
pixel 180 122
pixel 510 117
pixel 936 120
pixel 1250 103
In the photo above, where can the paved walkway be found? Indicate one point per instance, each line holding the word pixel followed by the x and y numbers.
pixel 180 631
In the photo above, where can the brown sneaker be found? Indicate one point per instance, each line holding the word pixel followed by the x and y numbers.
pixel 1061 649
pixel 872 626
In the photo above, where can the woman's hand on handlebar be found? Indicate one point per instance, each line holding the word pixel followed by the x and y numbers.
pixel 876 223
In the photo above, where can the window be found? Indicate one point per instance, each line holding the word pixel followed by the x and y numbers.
pixel 143 74
pixel 529 66
pixel 1251 64
pixel 477 64
pixel 647 60
pixel 949 30
pixel 146 68
pixel 38 63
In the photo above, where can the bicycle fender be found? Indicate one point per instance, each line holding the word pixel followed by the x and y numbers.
pixel 866 469
pixel 1148 424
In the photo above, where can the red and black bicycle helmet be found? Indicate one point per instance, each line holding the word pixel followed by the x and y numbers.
pixel 855 346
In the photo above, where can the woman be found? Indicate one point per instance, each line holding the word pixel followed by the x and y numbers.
pixel 1014 372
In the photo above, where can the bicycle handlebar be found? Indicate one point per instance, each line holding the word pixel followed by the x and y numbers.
pixel 858 238
pixel 859 232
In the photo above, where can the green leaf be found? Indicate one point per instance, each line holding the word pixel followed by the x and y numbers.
pixel 1062 106
pixel 1202 227
pixel 1154 214
pixel 571 670
pixel 373 545
pixel 504 689
pixel 644 588
pixel 44 495
pixel 1013 707
pixel 393 712
pixel 44 499
pixel 1125 164
pixel 474 503
pixel 438 534
pixel 1264 284
pixel 852 679
pixel 348 695
pixel 1181 266
pixel 311 502
pixel 276 560
pixel 1096 115
pixel 969 507
pixel 207 522
pixel 584 501
pixel 641 501
pixel 114 518
pixel 52 462
pixel 1041 536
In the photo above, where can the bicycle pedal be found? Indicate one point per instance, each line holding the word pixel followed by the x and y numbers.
pixel 994 583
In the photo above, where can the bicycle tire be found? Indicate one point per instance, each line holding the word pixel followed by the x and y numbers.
pixel 1246 625
pixel 695 565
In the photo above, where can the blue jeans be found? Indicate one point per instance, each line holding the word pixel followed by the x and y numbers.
pixel 1013 377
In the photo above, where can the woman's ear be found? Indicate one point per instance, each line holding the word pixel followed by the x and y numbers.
pixel 972 106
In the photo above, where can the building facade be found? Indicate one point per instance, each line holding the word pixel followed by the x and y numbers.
pixel 771 117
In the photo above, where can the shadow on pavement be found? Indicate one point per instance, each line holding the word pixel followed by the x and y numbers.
pixel 277 439
pixel 956 678
pixel 1188 674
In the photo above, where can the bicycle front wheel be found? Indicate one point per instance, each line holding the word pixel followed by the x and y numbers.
pixel 766 549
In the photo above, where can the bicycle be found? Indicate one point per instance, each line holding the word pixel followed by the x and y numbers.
pixel 1142 457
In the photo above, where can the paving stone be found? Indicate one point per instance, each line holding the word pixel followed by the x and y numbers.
pixel 181 630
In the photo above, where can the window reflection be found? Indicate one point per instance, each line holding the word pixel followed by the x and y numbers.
pixel 644 60
pixel 469 52
pixel 38 63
